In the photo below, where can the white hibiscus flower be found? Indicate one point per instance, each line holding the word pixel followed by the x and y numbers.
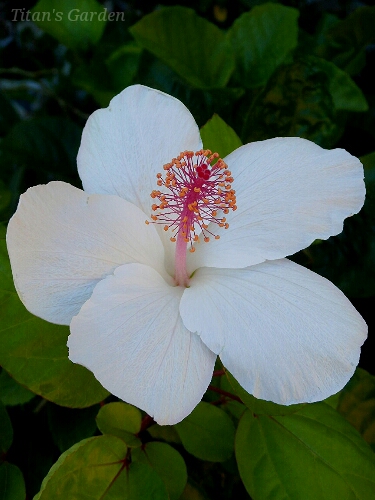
pixel 147 316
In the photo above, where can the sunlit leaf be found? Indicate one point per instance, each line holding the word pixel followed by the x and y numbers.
pixel 97 468
pixel 121 420
pixel 219 137
pixel 165 433
pixel 74 23
pixel 261 39
pixel 207 433
pixel 192 46
pixel 312 454
pixel 167 462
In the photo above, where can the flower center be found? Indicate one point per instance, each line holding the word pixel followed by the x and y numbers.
pixel 196 191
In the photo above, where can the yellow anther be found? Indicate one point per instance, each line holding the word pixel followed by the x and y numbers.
pixel 166 228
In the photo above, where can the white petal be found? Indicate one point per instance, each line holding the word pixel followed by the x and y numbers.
pixel 130 335
pixel 125 145
pixel 62 241
pixel 285 333
pixel 289 193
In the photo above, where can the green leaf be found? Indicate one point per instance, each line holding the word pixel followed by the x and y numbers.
pixel 97 468
pixel 123 65
pixel 34 352
pixel 168 464
pixel 12 485
pixel 12 393
pixel 192 46
pixel 207 433
pixel 260 406
pixel 357 404
pixel 345 42
pixel 345 93
pixel 164 432
pixel 6 434
pixel 121 420
pixel 219 137
pixel 297 102
pixel 311 454
pixel 74 23
pixel 69 426
pixel 262 39
pixel 46 143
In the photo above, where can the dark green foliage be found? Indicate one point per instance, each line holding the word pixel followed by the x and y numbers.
pixel 248 70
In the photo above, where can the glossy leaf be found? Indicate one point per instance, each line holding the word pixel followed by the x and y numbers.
pixel 12 393
pixel 198 51
pixel 97 469
pixel 219 137
pixel 121 420
pixel 357 404
pixel 12 484
pixel 311 454
pixel 6 434
pixel 260 406
pixel 262 39
pixel 34 352
pixel 168 464
pixel 74 23
pixel 207 433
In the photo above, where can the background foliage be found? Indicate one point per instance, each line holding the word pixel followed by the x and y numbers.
pixel 248 70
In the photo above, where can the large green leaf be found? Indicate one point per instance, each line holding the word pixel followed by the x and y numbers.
pixel 219 137
pixel 168 464
pixel 192 46
pixel 6 430
pixel 261 39
pixel 357 404
pixel 74 23
pixel 260 406
pixel 34 352
pixel 12 393
pixel 12 485
pixel 121 420
pixel 207 433
pixel 98 468
pixel 312 454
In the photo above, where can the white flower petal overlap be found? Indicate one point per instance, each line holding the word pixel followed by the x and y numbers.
pixel 89 260
pixel 285 333
pixel 289 193
pixel 62 242
pixel 134 330
pixel 125 145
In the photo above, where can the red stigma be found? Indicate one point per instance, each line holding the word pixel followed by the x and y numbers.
pixel 194 194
